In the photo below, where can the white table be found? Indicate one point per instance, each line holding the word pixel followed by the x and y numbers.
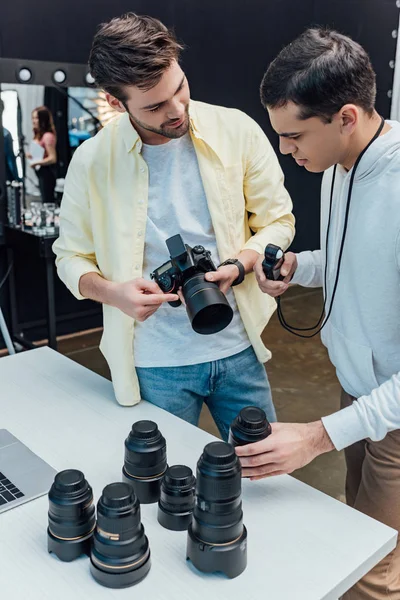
pixel 302 544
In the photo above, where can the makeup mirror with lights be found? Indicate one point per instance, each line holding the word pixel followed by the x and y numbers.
pixel 75 110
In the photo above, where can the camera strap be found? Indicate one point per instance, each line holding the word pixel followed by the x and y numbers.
pixel 281 317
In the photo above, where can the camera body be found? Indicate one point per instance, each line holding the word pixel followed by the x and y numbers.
pixel 184 263
pixel 207 307
pixel 273 260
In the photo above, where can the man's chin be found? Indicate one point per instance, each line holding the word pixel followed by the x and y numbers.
pixel 176 132
pixel 313 168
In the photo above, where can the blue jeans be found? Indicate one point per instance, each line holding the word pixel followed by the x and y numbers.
pixel 226 386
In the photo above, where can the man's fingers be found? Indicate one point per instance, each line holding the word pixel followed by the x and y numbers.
pixel 149 313
pixel 252 449
pixel 282 288
pixel 261 471
pixel 157 299
pixel 273 474
pixel 259 271
pixel 214 276
pixel 181 297
pixel 275 291
pixel 275 287
pixel 259 460
pixel 288 264
pixel 148 286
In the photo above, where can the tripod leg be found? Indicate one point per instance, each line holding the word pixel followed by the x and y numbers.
pixel 6 335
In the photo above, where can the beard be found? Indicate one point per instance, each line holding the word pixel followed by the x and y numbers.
pixel 165 129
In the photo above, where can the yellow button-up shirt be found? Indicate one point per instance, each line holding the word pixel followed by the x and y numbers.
pixel 104 211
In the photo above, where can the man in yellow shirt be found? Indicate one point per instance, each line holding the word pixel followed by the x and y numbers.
pixel 167 166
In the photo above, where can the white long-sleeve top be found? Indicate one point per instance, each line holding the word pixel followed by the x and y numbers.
pixel 362 334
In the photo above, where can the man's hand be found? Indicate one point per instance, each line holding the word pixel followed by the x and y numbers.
pixel 276 288
pixel 290 446
pixel 223 276
pixel 139 298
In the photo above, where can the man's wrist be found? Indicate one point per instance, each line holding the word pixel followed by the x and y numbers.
pixel 319 438
pixel 239 272
pixel 248 258
pixel 111 293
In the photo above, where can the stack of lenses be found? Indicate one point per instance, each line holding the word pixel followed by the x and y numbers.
pixel 251 425
pixel 71 515
pixel 120 554
pixel 175 507
pixel 145 461
pixel 217 538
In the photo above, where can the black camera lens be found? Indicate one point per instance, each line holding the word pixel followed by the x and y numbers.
pixel 217 538
pixel 175 507
pixel 145 460
pixel 120 554
pixel 251 425
pixel 71 515
pixel 207 307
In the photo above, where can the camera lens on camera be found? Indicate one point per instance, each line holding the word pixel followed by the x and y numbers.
pixel 251 425
pixel 71 515
pixel 175 507
pixel 145 460
pixel 217 538
pixel 120 554
pixel 207 307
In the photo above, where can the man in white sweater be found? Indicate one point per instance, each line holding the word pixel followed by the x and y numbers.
pixel 320 95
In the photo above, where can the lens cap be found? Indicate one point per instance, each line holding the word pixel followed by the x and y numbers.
pixel 120 555
pixel 71 515
pixel 145 460
pixel 251 425
pixel 175 507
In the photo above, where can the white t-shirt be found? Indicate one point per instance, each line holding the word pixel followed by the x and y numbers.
pixel 178 204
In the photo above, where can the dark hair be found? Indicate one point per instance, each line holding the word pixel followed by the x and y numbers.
pixel 320 71
pixel 131 50
pixel 46 123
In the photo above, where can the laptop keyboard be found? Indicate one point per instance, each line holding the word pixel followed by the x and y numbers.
pixel 8 491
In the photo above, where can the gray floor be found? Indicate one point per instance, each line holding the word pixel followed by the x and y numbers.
pixel 302 379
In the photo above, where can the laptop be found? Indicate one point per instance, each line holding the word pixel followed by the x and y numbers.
pixel 23 475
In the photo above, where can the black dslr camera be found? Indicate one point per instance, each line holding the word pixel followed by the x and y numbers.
pixel 207 307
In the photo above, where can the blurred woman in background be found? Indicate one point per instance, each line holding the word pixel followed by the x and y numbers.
pixel 45 135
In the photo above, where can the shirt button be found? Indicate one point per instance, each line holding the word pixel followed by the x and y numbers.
pixel 140 201
pixel 142 169
pixel 140 233
pixel 137 267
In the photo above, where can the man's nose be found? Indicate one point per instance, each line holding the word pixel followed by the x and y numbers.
pixel 287 146
pixel 176 110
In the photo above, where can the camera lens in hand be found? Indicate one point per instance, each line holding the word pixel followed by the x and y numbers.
pixel 207 307
pixel 217 538
pixel 71 515
pixel 120 554
pixel 145 460
pixel 175 507
pixel 251 425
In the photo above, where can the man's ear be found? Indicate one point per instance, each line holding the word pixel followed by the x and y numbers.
pixel 349 117
pixel 115 103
